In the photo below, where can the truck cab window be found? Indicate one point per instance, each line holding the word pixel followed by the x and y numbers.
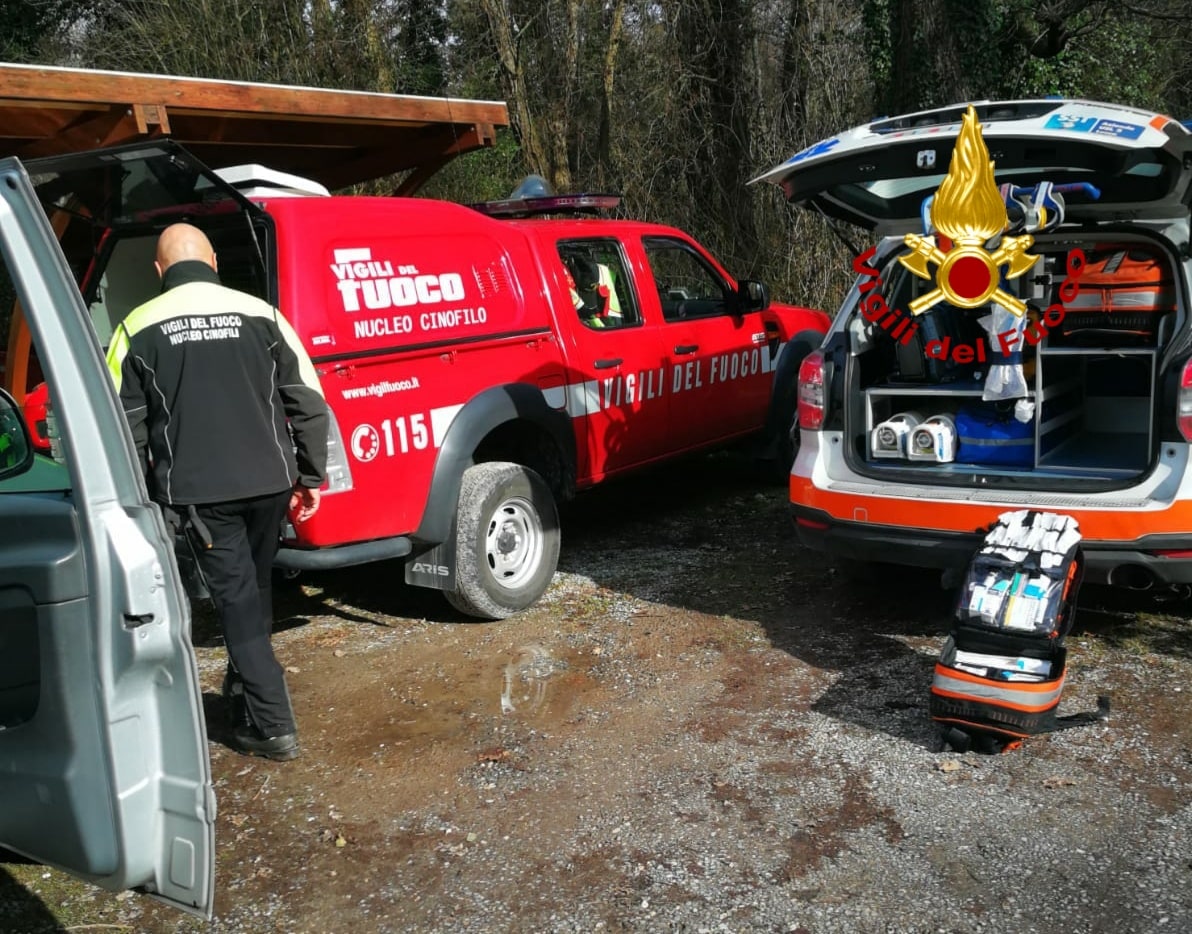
pixel 598 284
pixel 687 286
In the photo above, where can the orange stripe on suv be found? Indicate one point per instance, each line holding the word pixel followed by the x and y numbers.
pixel 904 512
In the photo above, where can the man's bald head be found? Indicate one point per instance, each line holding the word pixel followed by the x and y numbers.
pixel 181 242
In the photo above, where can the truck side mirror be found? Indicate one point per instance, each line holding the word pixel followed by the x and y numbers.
pixel 752 295
pixel 16 446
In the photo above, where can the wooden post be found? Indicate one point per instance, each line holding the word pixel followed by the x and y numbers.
pixel 20 341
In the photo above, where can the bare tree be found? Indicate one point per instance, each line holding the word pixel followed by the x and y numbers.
pixel 676 104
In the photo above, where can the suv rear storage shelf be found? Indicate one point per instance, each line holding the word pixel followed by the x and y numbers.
pixel 1092 381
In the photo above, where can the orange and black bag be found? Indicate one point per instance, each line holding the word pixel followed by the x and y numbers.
pixel 1001 672
pixel 1124 291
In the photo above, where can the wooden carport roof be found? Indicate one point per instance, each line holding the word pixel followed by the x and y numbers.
pixel 339 138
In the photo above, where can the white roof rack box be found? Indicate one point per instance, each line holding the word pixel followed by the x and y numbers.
pixel 257 181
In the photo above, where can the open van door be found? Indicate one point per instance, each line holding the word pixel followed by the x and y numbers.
pixel 104 771
pixel 106 207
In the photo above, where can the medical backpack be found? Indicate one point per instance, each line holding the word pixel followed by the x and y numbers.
pixel 1001 671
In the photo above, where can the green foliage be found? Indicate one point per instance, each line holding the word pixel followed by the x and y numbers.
pixel 925 53
pixel 879 48
pixel 394 46
pixel 419 39
pixel 28 26
pixel 1126 60
pixel 486 175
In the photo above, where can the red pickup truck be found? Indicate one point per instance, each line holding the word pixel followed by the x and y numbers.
pixel 481 363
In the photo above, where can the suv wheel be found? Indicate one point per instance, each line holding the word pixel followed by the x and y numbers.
pixel 506 540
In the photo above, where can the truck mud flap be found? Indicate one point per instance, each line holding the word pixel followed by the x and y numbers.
pixel 433 567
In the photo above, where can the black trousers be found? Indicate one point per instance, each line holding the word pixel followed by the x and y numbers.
pixel 245 536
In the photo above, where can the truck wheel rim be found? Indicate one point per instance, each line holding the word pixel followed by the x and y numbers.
pixel 513 543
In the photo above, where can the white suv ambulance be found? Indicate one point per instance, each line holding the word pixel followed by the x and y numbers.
pixel 1017 339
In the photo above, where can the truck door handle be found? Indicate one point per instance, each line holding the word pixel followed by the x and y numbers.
pixel 683 349
pixel 608 364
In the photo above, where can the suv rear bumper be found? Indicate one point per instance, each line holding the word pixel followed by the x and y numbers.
pixel 1152 559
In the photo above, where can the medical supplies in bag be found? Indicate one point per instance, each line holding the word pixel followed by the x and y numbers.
pixel 1024 577
pixel 988 435
pixel 1001 672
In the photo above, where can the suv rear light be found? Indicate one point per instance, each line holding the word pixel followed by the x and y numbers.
pixel 1183 408
pixel 811 391
pixel 339 472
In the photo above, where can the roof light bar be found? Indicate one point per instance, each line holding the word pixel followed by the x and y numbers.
pixel 553 204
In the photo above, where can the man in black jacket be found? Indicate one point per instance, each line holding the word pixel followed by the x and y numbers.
pixel 208 377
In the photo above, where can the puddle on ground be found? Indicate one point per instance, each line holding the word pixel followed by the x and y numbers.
pixel 442 705
pixel 528 677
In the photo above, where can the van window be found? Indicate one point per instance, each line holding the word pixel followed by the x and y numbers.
pixel 20 648
pixel 21 376
pixel 128 280
pixel 8 298
pixel 687 286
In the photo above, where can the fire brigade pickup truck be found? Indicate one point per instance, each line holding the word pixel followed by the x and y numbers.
pixel 481 364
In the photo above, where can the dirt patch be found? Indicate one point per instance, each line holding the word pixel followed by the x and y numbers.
pixel 700 728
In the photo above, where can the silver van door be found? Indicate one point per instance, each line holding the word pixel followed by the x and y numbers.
pixel 104 771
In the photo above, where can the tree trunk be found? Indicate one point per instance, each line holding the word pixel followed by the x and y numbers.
pixel 716 38
pixel 792 82
pixel 608 89
pixel 500 21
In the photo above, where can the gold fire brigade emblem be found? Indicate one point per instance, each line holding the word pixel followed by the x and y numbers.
pixel 968 210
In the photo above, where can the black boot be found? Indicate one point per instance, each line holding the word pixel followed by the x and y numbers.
pixel 248 740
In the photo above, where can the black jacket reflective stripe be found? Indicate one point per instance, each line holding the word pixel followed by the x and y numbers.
pixel 208 377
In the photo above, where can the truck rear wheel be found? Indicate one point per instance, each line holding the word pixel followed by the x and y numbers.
pixel 784 407
pixel 506 540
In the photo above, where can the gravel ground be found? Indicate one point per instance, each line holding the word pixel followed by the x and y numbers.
pixel 699 729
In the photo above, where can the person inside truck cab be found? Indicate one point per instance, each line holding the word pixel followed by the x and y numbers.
pixel 593 292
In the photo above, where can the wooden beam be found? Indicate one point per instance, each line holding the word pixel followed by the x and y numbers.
pixel 151 118
pixel 80 86
pixel 416 179
pixel 339 138
pixel 106 128
pixel 274 132
pixel 477 138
